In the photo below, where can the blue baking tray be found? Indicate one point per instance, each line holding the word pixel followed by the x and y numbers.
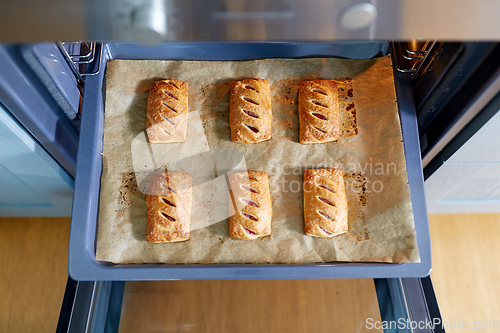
pixel 83 265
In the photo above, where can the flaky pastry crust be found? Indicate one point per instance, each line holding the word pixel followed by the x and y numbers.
pixel 167 111
pixel 319 114
pixel 252 202
pixel 169 207
pixel 325 203
pixel 250 114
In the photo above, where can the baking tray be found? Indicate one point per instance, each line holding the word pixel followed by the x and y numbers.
pixel 83 265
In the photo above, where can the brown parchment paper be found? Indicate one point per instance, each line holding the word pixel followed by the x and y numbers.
pixel 381 226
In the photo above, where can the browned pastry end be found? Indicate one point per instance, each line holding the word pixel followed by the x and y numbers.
pixel 325 203
pixel 319 114
pixel 169 207
pixel 250 192
pixel 167 111
pixel 250 114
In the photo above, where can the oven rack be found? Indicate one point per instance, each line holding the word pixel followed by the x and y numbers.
pixel 414 57
pixel 84 58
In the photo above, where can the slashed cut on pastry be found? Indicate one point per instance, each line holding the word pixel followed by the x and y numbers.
pixel 250 114
pixel 319 114
pixel 167 111
pixel 325 203
pixel 169 207
pixel 252 200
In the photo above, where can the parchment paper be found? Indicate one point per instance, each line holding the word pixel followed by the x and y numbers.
pixel 381 226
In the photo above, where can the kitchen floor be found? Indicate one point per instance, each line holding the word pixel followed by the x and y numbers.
pixel 33 273
pixel 466 270
pixel 466 253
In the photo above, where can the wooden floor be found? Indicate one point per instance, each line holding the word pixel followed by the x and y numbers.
pixel 466 269
pixel 278 306
pixel 33 273
pixel 466 261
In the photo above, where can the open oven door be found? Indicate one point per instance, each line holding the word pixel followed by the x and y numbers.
pixel 401 305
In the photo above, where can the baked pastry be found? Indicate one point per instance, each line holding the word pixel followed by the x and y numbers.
pixel 169 207
pixel 250 113
pixel 252 200
pixel 319 114
pixel 325 203
pixel 167 111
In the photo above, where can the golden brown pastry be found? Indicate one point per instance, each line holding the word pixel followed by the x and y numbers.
pixel 319 114
pixel 169 207
pixel 325 203
pixel 250 193
pixel 167 111
pixel 250 114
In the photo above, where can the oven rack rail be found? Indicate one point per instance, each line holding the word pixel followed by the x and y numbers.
pixel 416 62
pixel 84 58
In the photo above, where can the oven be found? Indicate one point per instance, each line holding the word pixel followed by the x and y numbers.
pixel 447 82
